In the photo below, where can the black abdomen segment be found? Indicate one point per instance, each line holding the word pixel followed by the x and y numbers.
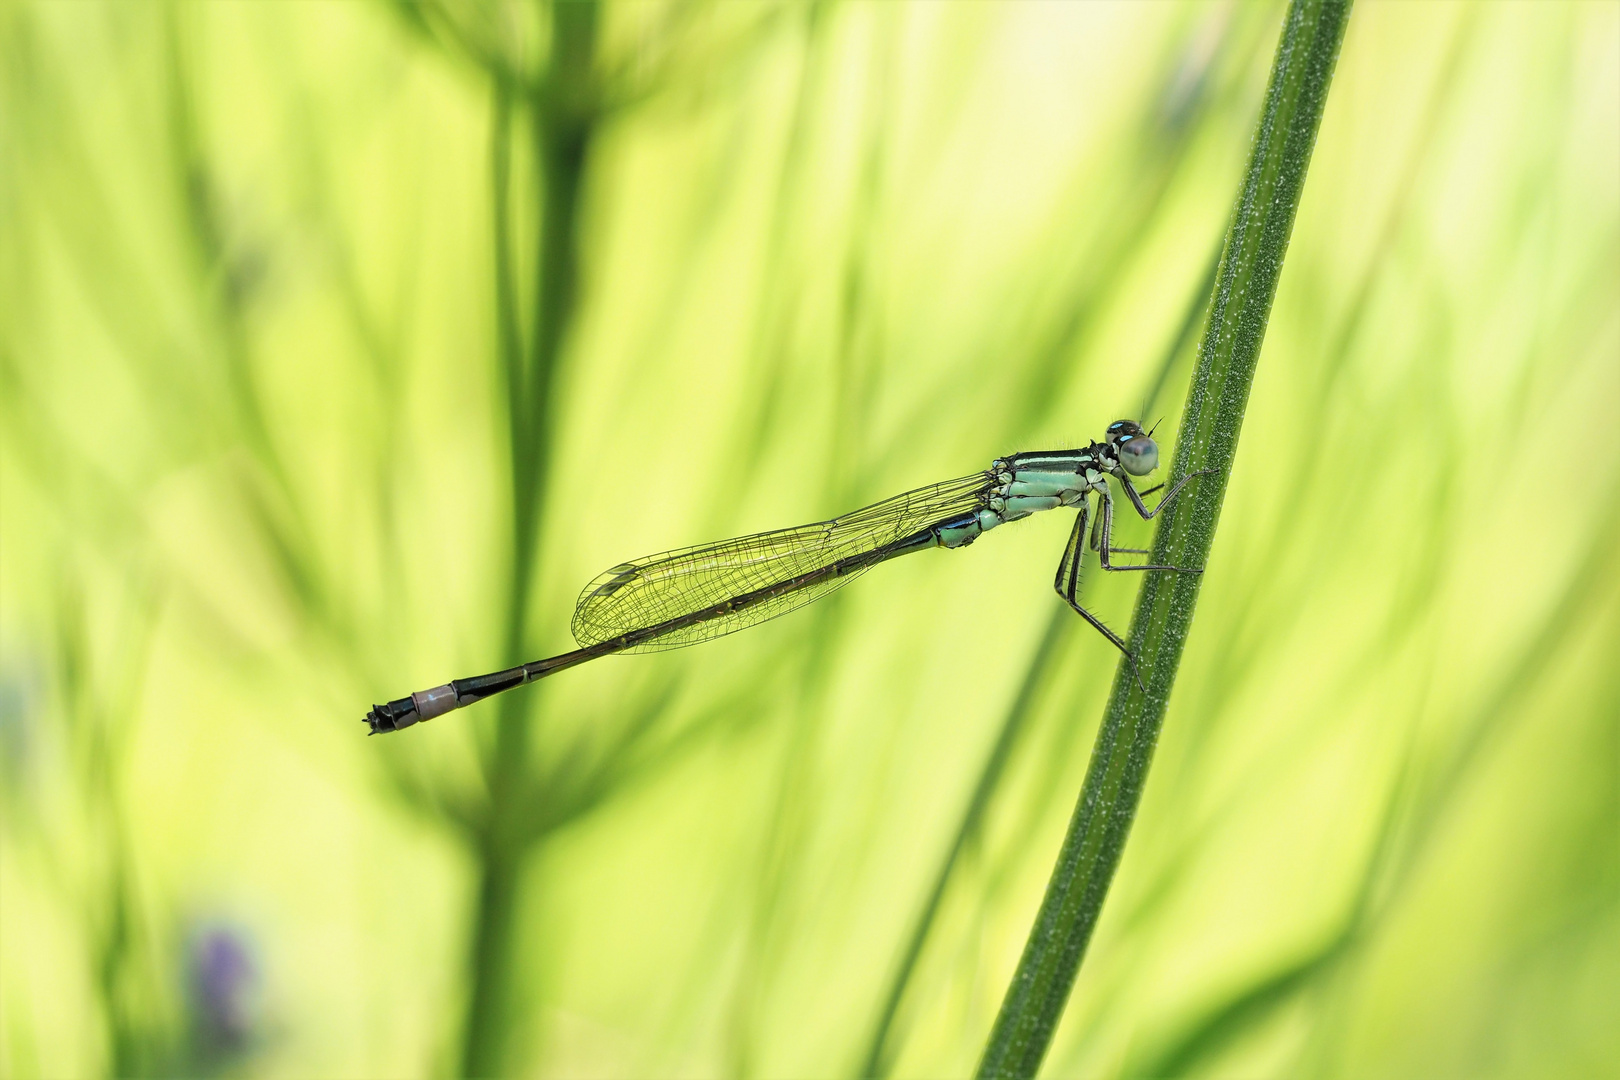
pixel 427 704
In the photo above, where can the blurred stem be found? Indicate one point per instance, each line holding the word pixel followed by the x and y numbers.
pixel 561 121
pixel 1257 240
pixel 879 1061
pixel 275 507
pixel 99 719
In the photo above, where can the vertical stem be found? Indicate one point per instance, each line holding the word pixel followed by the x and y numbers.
pixel 1257 240
pixel 491 918
pixel 560 125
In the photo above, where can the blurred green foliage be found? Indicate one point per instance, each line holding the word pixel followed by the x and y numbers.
pixel 340 343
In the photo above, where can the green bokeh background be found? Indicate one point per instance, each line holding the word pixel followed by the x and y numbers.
pixel 257 474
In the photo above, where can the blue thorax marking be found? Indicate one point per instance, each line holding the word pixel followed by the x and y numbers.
pixel 1029 483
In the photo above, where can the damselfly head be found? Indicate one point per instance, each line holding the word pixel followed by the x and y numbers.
pixel 1138 454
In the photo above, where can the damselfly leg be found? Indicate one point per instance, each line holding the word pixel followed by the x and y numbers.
pixel 1136 496
pixel 1102 534
pixel 1067 582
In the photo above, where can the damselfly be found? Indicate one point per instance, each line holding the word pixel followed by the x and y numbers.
pixel 695 594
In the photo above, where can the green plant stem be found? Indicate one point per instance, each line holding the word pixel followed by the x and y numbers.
pixel 1256 242
pixel 562 121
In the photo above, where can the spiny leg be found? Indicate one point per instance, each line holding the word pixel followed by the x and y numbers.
pixel 1106 520
pixel 1136 496
pixel 1068 571
pixel 1067 584
pixel 1096 538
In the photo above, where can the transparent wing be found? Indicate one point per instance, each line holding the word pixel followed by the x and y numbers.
pixel 658 588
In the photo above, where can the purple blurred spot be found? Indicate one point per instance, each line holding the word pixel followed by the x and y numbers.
pixel 222 975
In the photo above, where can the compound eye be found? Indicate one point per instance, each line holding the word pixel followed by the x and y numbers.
pixel 1139 456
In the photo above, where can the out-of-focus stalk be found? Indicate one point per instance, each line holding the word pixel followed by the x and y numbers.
pixel 1256 242
pixel 561 114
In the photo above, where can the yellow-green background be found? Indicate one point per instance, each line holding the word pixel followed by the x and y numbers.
pixel 255 477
